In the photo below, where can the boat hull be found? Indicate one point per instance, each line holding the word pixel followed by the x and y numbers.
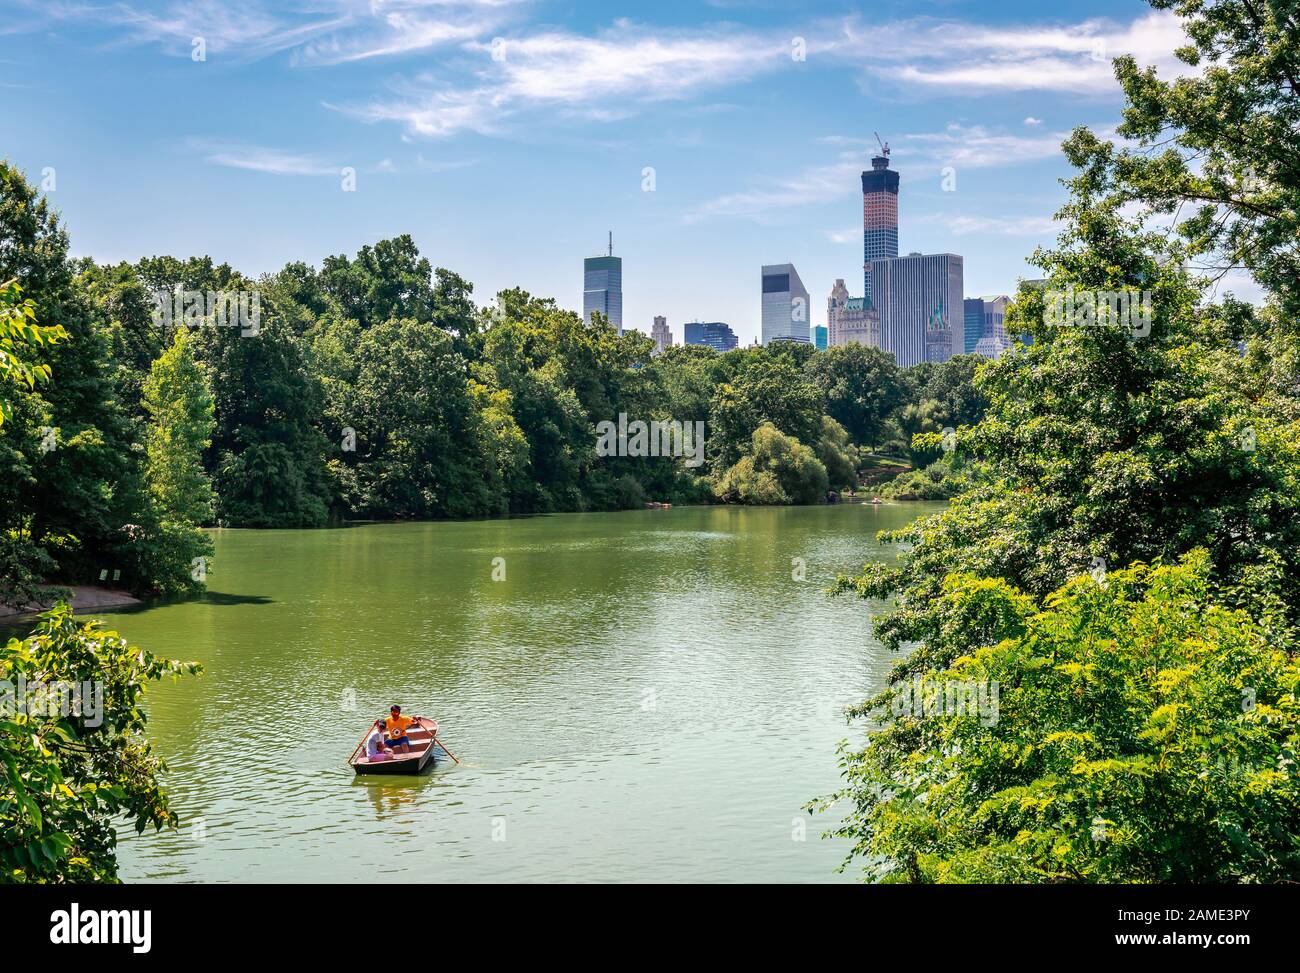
pixel 423 747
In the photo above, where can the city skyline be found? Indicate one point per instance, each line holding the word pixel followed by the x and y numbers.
pixel 507 138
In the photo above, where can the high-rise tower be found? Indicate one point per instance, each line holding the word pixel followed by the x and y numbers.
pixel 663 338
pixel 879 216
pixel 785 305
pixel 602 287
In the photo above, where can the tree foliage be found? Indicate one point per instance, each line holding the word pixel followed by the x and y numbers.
pixel 1102 448
pixel 71 776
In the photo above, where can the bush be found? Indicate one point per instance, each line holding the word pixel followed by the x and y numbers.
pixel 70 777
pixel 837 454
pixel 1140 733
pixel 778 469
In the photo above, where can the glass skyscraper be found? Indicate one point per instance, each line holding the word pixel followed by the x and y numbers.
pixel 602 289
pixel 785 305
pixel 715 334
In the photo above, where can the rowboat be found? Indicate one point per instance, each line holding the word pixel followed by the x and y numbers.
pixel 423 745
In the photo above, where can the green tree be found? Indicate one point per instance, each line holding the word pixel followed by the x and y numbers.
pixel 1130 731
pixel 1106 446
pixel 389 280
pixel 20 335
pixel 861 387
pixel 72 778
pixel 177 400
pixel 180 409
pixel 777 469
pixel 764 388
pixel 837 454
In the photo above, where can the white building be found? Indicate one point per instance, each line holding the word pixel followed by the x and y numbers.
pixel 785 305
pixel 919 299
pixel 849 320
pixel 663 338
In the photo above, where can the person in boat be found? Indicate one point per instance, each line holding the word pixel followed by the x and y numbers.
pixel 397 727
pixel 376 748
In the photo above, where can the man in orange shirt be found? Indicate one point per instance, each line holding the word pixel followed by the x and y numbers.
pixel 397 727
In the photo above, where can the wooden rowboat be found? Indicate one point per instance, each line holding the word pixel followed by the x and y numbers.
pixel 423 745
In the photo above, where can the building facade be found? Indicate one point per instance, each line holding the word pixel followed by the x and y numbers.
pixel 849 320
pixel 602 289
pixel 820 340
pixel 879 218
pixel 715 334
pixel 920 302
pixel 988 315
pixel 785 305
pixel 663 338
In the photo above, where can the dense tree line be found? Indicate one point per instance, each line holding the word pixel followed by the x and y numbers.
pixel 375 387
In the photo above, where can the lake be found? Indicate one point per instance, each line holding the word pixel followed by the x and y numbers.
pixel 645 696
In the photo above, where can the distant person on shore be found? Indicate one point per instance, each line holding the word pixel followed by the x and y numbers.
pixel 376 749
pixel 397 727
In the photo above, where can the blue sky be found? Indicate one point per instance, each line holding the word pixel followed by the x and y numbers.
pixel 508 136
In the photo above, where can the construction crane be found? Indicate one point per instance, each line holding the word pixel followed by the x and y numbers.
pixel 884 146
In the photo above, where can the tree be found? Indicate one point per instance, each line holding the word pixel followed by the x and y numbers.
pixel 1110 447
pixel 180 408
pixel 387 281
pixel 73 773
pixel 778 469
pixel 19 334
pixel 837 454
pixel 72 493
pixel 1130 731
pixel 764 388
pixel 430 441
pixel 268 451
pixel 861 387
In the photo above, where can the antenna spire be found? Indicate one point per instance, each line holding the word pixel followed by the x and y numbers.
pixel 611 243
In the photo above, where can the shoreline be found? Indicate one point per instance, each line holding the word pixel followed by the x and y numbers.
pixel 85 597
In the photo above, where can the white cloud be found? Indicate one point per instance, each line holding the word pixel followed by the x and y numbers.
pixel 1001 225
pixel 1031 120
pixel 607 76
pixel 273 161
pixel 318 32
pixel 964 58
pixel 261 159
pixel 963 147
pixel 976 147
pixel 817 184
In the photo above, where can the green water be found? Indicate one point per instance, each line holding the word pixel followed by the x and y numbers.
pixel 646 696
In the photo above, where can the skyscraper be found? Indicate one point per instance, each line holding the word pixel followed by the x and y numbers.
pixel 987 315
pixel 920 301
pixel 819 337
pixel 974 317
pixel 715 334
pixel 849 321
pixel 602 287
pixel 879 217
pixel 663 338
pixel 785 305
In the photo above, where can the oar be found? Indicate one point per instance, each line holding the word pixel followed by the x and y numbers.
pixel 444 747
pixel 362 743
pixel 434 739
